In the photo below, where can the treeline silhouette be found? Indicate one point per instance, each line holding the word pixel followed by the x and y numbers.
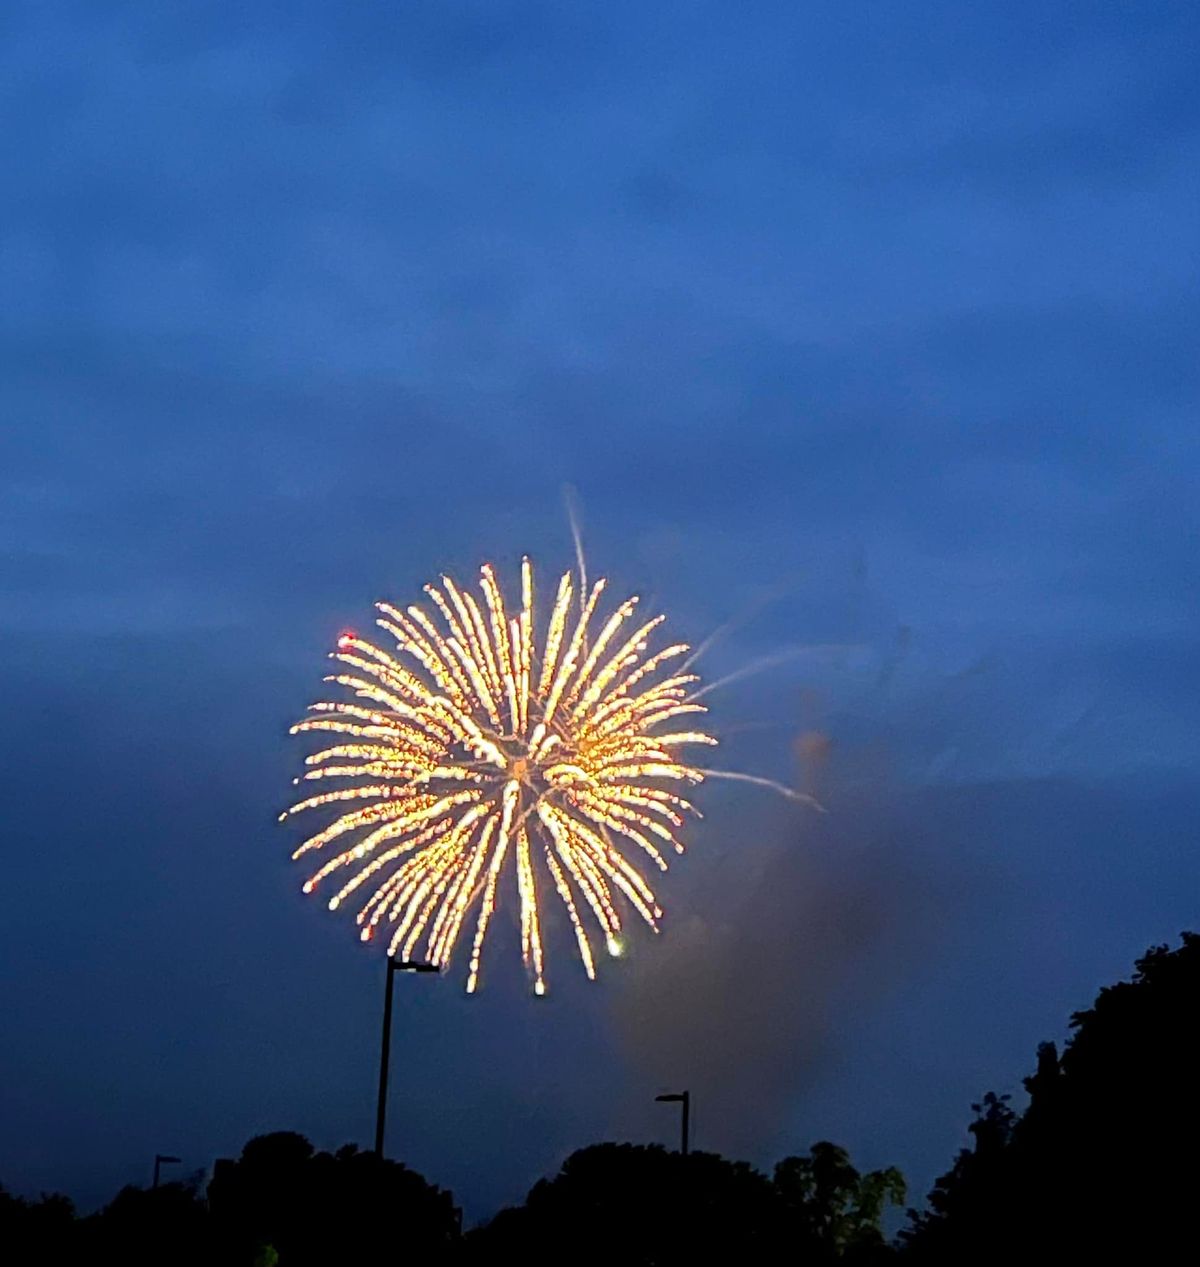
pixel 1100 1165
pixel 1103 1163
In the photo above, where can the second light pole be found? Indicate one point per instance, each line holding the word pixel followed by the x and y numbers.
pixel 684 1099
pixel 394 965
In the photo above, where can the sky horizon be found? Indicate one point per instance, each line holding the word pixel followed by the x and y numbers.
pixel 868 334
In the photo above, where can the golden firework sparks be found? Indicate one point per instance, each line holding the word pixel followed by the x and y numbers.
pixel 475 753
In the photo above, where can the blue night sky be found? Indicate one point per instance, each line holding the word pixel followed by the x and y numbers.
pixel 887 314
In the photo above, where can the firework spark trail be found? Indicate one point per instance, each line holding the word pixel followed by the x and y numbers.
pixel 767 662
pixel 782 788
pixel 749 613
pixel 476 752
pixel 574 515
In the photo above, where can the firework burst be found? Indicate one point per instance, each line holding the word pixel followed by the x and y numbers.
pixel 475 757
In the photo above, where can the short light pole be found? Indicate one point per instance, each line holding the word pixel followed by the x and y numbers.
pixel 684 1099
pixel 394 965
pixel 160 1160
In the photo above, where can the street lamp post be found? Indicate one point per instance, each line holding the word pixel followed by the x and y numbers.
pixel 393 966
pixel 684 1099
pixel 160 1160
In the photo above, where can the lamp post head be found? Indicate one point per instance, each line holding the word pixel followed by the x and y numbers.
pixel 672 1099
pixel 412 965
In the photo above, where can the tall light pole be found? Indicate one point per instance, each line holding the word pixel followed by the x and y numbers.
pixel 683 1098
pixel 160 1160
pixel 394 965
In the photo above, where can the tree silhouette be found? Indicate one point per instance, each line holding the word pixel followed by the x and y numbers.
pixel 147 1227
pixel 832 1211
pixel 972 1192
pixel 636 1204
pixel 640 1204
pixel 36 1232
pixel 283 1201
pixel 1103 1161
